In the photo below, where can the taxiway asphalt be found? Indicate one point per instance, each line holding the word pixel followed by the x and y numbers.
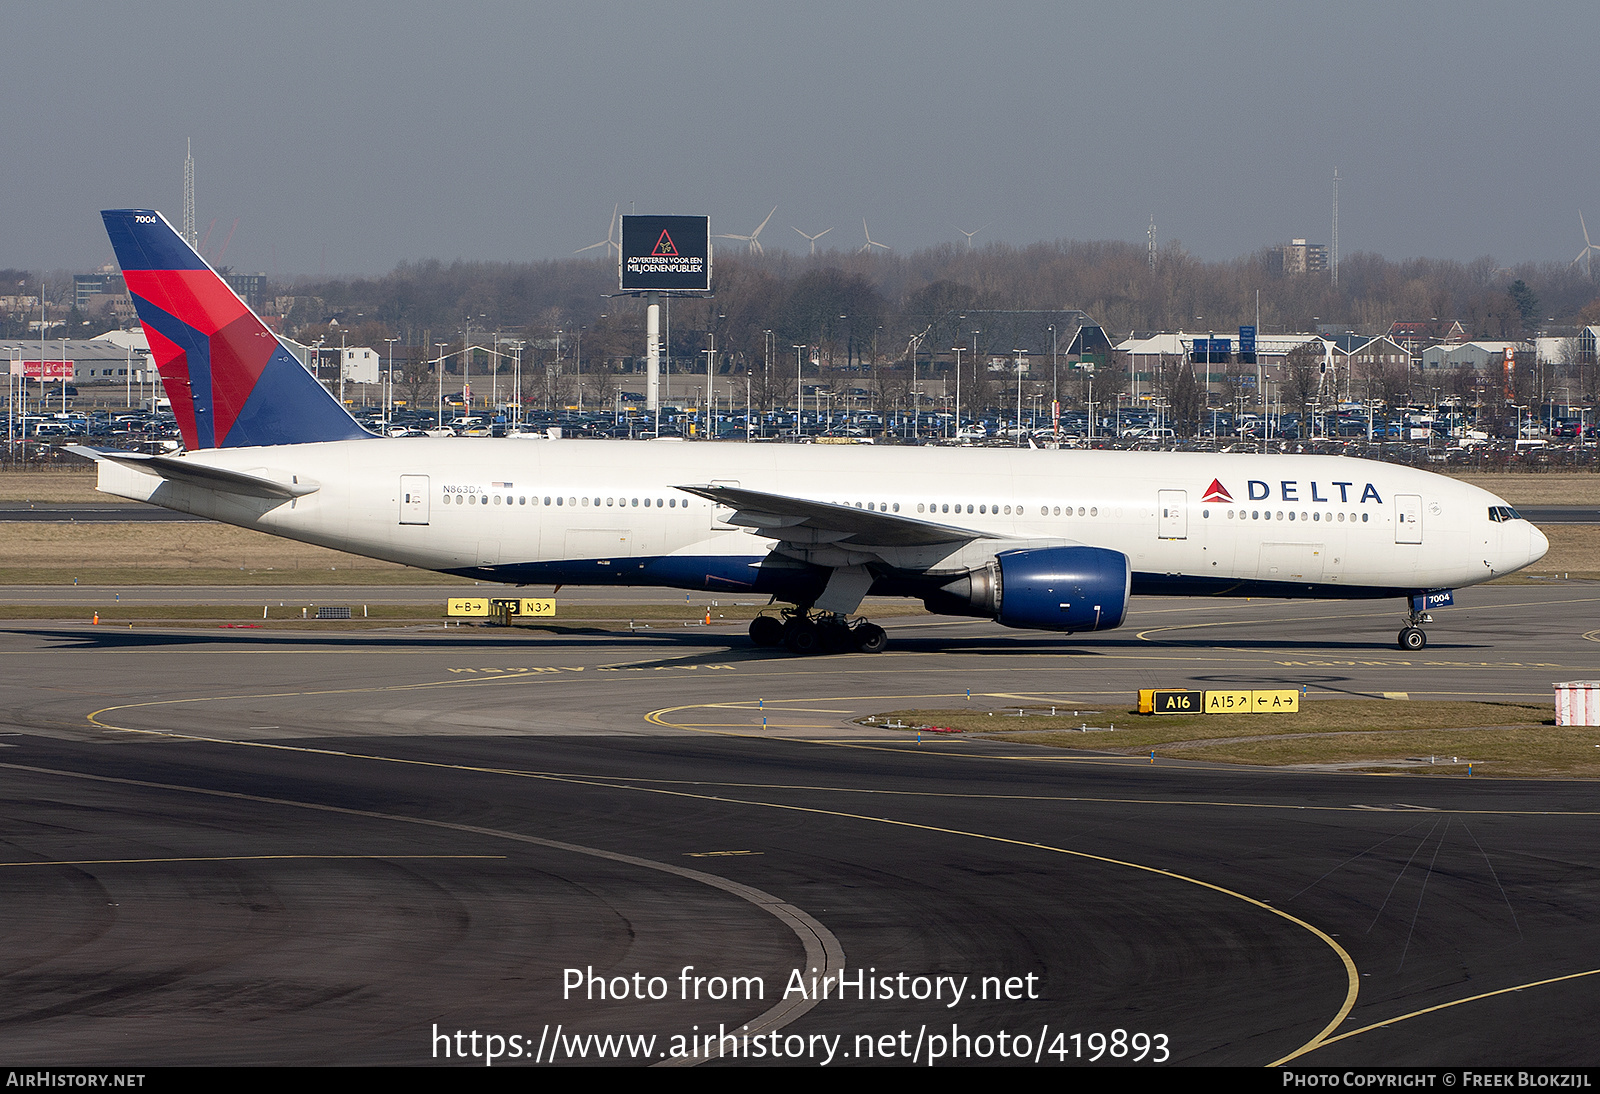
pixel 290 847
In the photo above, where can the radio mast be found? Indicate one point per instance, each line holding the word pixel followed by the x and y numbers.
pixel 188 195
pixel 1333 257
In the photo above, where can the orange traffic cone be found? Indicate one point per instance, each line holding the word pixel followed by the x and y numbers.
pixel 97 618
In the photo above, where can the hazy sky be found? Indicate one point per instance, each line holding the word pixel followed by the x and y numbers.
pixel 348 137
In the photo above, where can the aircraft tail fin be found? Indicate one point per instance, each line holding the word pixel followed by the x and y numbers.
pixel 231 382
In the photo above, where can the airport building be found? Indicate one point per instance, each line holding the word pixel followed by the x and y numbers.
pixel 1362 355
pixel 94 360
pixel 359 364
pixel 1479 355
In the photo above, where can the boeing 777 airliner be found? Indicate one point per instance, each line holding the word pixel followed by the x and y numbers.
pixel 1033 539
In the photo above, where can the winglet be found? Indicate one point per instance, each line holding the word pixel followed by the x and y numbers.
pixel 231 382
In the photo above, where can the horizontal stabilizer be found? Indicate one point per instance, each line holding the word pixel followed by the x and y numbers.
pixel 190 473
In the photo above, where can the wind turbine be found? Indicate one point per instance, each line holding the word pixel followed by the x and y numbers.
pixel 814 238
pixel 610 240
pixel 754 238
pixel 866 248
pixel 1583 255
pixel 970 234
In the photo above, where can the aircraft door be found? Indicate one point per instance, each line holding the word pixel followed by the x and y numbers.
pixel 1408 518
pixel 413 499
pixel 1173 511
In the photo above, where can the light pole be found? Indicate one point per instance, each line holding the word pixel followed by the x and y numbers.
pixel 1088 375
pixel 1055 384
pixel 711 364
pixel 958 350
pixel 438 368
pixel 388 387
pixel 1022 359
pixel 516 415
pixel 769 348
pixel 916 402
pixel 799 393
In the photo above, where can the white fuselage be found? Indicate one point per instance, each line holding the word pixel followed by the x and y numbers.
pixel 1187 521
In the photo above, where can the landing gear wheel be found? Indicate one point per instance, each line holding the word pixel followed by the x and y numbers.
pixel 835 637
pixel 766 631
pixel 871 638
pixel 801 637
pixel 1413 639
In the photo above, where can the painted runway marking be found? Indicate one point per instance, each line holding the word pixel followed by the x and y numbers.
pixel 245 858
pixel 1352 977
pixel 1442 1006
pixel 823 950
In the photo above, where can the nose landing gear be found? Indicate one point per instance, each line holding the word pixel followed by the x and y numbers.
pixel 1412 637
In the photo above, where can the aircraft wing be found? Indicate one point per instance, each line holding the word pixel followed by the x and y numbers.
pixel 192 473
pixel 802 520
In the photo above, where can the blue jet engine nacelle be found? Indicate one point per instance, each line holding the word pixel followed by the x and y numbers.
pixel 1043 588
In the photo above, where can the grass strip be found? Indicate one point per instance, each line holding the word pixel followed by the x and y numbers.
pixel 1500 739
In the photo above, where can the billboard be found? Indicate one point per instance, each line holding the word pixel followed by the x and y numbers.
pixel 670 253
pixel 42 370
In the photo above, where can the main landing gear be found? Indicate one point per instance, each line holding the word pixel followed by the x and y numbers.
pixel 1411 635
pixel 823 632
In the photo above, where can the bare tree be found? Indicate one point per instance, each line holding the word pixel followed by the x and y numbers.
pixel 1385 383
pixel 415 374
pixel 1302 377
pixel 1184 394
pixel 601 382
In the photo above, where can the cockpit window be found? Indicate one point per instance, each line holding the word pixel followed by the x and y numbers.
pixel 1499 514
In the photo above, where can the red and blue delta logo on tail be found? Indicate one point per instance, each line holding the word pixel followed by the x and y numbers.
pixel 231 382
